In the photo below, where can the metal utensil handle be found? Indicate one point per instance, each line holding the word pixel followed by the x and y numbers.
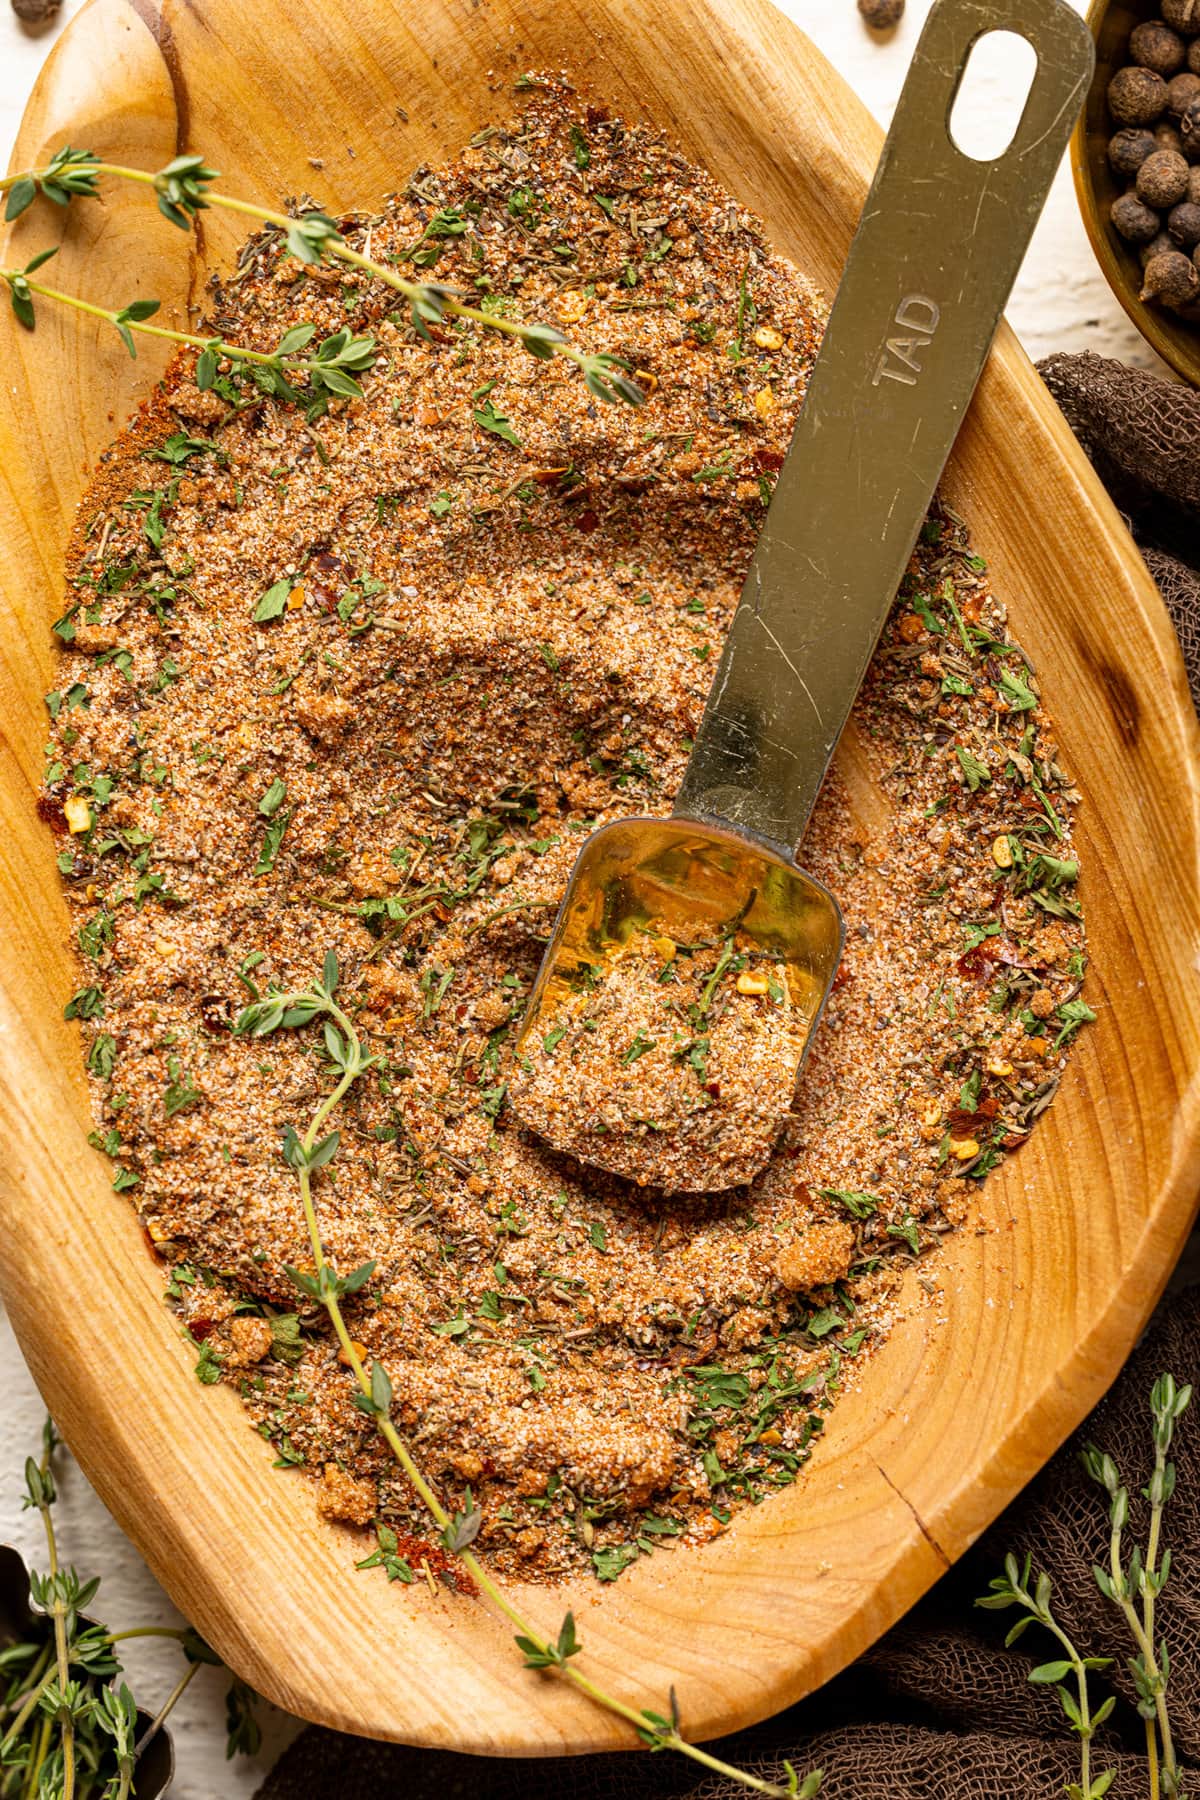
pixel 937 250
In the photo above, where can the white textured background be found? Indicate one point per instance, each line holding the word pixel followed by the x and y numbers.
pixel 1061 303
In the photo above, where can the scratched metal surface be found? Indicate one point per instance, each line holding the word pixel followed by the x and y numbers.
pixel 940 243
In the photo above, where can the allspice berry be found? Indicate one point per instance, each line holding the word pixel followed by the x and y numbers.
pixel 1155 46
pixel 1172 278
pixel 1162 180
pixel 1128 150
pixel 1135 221
pixel 1136 96
pixel 1159 245
pixel 1193 56
pixel 1181 91
pixel 35 12
pixel 1183 224
pixel 1194 184
pixel 1166 137
pixel 881 15
pixel 1183 15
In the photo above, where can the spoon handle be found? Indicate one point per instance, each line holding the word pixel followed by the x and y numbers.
pixel 937 250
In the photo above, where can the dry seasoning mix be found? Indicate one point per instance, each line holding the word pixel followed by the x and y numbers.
pixel 359 677
pixel 671 1060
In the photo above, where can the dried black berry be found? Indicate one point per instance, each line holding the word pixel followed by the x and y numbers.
pixel 1136 96
pixel 1181 91
pixel 1194 184
pixel 35 12
pixel 1134 221
pixel 1128 150
pixel 1193 56
pixel 1158 246
pixel 1172 278
pixel 1183 224
pixel 881 15
pixel 1162 180
pixel 1166 137
pixel 1189 131
pixel 1157 47
pixel 1184 15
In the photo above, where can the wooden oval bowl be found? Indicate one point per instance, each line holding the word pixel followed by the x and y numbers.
pixel 1040 1298
pixel 1096 187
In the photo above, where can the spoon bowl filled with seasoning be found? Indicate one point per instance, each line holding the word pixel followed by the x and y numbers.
pixel 687 971
pixel 365 620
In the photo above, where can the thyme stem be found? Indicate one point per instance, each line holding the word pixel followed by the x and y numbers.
pixel 157 1722
pixel 661 1735
pixel 235 352
pixel 62 1657
pixel 334 245
pixel 1170 1770
pixel 1085 1712
pixel 1145 1644
pixel 27 1705
pixel 37 1759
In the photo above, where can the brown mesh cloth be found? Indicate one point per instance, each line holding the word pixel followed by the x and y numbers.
pixel 939 1710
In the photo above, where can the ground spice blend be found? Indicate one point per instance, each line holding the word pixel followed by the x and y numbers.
pixel 358 676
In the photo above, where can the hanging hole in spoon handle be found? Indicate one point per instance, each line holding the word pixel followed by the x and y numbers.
pixel 937 250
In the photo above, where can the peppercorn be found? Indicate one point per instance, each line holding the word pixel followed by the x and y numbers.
pixel 881 15
pixel 1128 150
pixel 1136 96
pixel 1172 278
pixel 1166 137
pixel 1162 180
pixel 1183 224
pixel 1155 46
pixel 35 12
pixel 1181 91
pixel 1194 185
pixel 1159 245
pixel 1134 221
pixel 1189 131
pixel 1184 15
pixel 1193 56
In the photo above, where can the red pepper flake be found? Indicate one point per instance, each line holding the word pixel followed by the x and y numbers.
pixel 440 1562
pixel 50 810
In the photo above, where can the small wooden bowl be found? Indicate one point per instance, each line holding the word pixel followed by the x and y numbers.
pixel 1176 341
pixel 1037 1301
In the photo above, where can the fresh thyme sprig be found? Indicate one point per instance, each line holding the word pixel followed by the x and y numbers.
pixel 329 370
pixel 1013 1589
pixel 314 1149
pixel 183 189
pixel 1144 1577
pixel 67 1729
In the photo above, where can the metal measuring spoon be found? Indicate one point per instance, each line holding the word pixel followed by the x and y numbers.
pixel 937 250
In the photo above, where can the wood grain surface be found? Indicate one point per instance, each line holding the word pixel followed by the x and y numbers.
pixel 1034 1314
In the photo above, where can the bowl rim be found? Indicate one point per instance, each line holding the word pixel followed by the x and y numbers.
pixel 1178 345
pixel 754 1620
